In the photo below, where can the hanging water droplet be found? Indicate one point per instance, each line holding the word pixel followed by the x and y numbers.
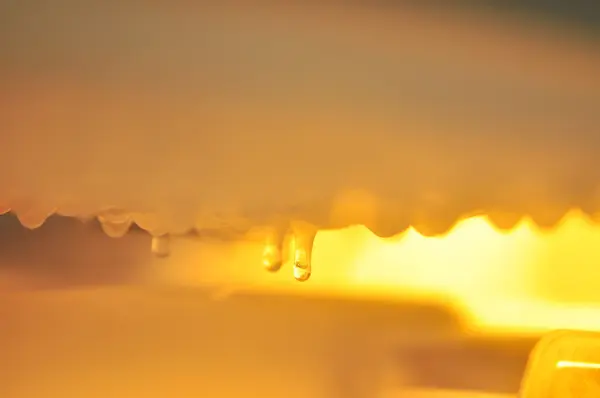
pixel 302 267
pixel 273 256
pixel 115 229
pixel 33 218
pixel 303 247
pixel 504 221
pixel 547 217
pixel 161 245
pixel 115 223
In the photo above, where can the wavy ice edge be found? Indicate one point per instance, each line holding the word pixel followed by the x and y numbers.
pixel 116 222
pixel 226 119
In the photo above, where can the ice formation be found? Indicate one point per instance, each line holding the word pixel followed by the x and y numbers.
pixel 229 118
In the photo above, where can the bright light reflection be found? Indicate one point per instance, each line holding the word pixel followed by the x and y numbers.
pixel 522 280
pixel 525 279
pixel 579 365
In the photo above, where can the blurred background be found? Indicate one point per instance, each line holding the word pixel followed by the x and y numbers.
pixel 85 315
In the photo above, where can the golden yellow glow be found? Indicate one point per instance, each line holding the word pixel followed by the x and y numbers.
pixel 523 280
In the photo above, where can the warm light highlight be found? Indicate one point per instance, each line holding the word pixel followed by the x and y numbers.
pixel 523 279
pixel 526 279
